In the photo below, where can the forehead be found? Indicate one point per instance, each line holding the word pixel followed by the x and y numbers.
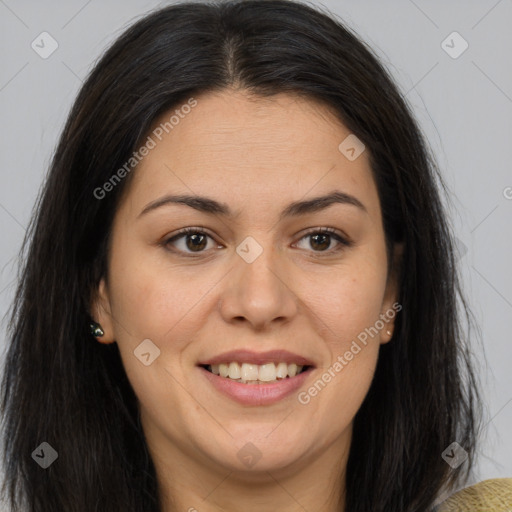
pixel 239 148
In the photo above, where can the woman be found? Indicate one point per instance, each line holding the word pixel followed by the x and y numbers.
pixel 240 289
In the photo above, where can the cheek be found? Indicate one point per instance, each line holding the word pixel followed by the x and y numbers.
pixel 346 390
pixel 150 296
pixel 346 302
pixel 160 306
pixel 346 310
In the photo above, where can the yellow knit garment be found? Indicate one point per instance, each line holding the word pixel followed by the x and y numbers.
pixel 488 496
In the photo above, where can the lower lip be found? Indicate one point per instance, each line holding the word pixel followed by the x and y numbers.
pixel 257 394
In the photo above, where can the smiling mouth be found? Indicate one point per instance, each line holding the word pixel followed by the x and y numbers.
pixel 248 373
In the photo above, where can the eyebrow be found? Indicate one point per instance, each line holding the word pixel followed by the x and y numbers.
pixel 213 207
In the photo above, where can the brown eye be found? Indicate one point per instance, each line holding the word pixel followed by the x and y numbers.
pixel 321 240
pixel 191 240
pixel 195 242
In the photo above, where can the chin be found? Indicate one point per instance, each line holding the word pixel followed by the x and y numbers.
pixel 262 450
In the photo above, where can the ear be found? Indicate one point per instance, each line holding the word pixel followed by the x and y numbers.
pixel 101 313
pixel 390 303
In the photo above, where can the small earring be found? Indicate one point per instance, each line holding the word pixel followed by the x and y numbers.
pixel 389 333
pixel 96 330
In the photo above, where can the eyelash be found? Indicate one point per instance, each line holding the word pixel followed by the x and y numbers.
pixel 343 243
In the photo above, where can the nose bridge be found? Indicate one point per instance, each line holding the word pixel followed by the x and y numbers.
pixel 259 289
pixel 259 263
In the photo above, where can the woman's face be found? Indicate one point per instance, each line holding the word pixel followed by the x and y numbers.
pixel 257 275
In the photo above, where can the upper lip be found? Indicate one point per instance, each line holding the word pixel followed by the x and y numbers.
pixel 248 356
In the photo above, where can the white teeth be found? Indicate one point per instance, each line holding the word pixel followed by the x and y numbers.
pixel 249 371
pixel 267 372
pixel 292 370
pixel 282 370
pixel 234 371
pixel 256 373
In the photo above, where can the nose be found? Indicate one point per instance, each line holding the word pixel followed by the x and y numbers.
pixel 260 292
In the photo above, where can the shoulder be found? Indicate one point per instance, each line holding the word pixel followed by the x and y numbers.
pixel 490 496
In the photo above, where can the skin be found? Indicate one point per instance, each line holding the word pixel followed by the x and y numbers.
pixel 256 155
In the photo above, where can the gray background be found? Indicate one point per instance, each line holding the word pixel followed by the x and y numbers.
pixel 464 106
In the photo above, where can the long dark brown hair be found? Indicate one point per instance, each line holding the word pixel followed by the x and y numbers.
pixel 62 387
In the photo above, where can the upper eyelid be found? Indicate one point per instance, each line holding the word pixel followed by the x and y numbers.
pixel 309 231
